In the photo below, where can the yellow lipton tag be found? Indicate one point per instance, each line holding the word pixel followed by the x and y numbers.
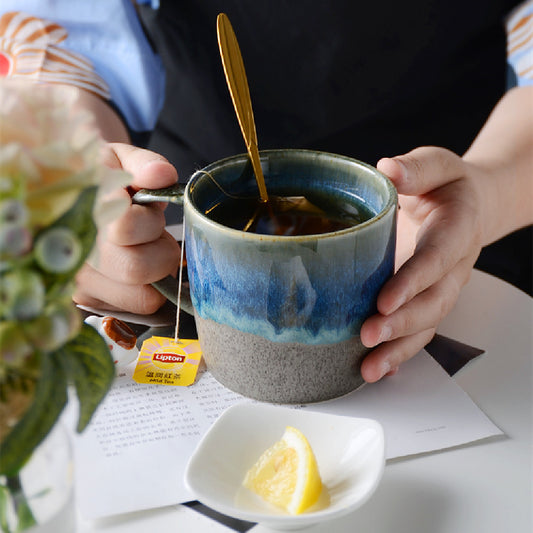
pixel 166 361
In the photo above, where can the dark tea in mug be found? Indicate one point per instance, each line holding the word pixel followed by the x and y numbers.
pixel 288 216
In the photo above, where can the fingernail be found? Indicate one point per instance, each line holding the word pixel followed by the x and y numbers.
pixel 385 334
pixel 390 167
pixel 393 370
pixel 403 169
pixel 385 368
pixel 395 306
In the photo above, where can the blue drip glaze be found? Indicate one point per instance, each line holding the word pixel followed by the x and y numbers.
pixel 313 292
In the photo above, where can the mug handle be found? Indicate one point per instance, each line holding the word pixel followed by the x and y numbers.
pixel 174 194
pixel 168 286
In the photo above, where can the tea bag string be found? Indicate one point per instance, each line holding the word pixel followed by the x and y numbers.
pixel 224 192
pixel 180 270
pixel 180 281
pixel 257 212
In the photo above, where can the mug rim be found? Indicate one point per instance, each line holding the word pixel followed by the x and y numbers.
pixel 390 205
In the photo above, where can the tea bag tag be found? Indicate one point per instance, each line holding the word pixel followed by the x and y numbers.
pixel 167 361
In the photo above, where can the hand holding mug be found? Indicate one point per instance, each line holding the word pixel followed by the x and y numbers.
pixel 439 240
pixel 135 250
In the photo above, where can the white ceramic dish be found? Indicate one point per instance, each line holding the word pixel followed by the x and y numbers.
pixel 350 453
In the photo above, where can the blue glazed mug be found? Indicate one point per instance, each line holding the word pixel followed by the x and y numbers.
pixel 278 317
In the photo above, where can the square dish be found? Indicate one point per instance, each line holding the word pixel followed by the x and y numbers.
pixel 350 453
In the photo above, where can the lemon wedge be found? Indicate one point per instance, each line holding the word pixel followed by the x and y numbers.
pixel 287 474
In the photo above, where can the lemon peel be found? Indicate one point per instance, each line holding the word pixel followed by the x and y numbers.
pixel 287 474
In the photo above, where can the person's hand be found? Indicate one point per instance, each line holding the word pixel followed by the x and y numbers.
pixel 135 250
pixel 439 239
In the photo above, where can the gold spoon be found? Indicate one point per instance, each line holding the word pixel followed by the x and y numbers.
pixel 240 94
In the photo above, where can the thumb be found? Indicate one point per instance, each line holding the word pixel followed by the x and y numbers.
pixel 149 169
pixel 422 170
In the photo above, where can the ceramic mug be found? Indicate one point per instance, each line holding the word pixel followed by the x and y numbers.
pixel 278 317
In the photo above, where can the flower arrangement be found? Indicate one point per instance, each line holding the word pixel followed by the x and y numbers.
pixel 52 196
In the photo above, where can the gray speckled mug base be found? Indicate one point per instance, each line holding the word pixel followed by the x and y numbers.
pixel 280 372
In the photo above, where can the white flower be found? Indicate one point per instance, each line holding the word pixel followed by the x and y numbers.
pixel 49 150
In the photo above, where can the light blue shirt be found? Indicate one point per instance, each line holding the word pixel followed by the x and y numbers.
pixel 109 34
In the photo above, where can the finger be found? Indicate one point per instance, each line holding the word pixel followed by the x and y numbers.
pixel 140 264
pixel 406 231
pixel 149 169
pixel 423 312
pixel 387 357
pixel 138 225
pixel 438 251
pixel 422 170
pixel 96 290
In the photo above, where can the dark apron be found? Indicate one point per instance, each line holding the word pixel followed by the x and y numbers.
pixel 364 79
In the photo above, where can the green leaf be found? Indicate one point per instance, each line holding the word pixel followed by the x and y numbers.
pixel 88 363
pixel 4 506
pixel 49 400
pixel 16 496
pixel 25 516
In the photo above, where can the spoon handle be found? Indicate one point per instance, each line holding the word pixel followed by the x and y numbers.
pixel 240 94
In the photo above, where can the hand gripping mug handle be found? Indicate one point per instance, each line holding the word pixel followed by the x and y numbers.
pixel 167 286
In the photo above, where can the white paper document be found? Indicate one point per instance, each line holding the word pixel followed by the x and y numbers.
pixel 134 453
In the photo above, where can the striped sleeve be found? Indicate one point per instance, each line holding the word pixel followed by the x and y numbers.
pixel 29 48
pixel 519 25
